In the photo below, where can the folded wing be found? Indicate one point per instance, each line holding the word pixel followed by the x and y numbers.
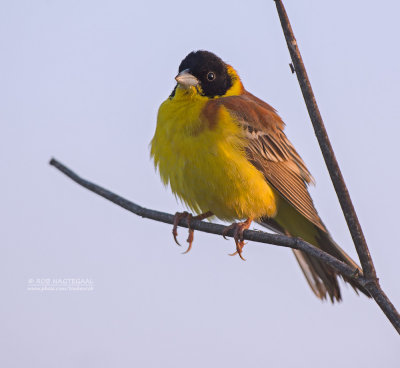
pixel 271 152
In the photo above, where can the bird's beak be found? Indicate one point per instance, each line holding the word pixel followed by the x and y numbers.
pixel 185 79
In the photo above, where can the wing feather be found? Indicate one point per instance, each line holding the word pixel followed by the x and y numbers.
pixel 271 152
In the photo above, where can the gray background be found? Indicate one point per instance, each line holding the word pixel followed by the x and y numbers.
pixel 82 81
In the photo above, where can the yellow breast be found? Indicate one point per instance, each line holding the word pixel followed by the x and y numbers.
pixel 205 166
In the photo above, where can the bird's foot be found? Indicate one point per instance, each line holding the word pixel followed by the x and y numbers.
pixel 238 229
pixel 189 217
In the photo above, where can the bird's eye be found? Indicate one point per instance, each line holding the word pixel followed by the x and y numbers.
pixel 210 76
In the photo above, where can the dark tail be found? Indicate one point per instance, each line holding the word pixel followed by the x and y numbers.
pixel 321 275
pixel 322 279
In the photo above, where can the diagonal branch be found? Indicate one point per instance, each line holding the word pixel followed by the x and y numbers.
pixel 335 172
pixel 207 227
pixel 326 147
pixel 256 236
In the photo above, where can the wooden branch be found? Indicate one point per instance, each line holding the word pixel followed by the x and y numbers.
pixel 335 173
pixel 326 147
pixel 207 227
pixel 256 236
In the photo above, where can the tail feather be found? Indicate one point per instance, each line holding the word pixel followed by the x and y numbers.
pixel 327 244
pixel 322 279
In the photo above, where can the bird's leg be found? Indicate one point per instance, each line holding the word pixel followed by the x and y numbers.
pixel 238 229
pixel 189 218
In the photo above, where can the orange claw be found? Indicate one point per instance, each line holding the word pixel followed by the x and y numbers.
pixel 181 215
pixel 226 230
pixel 189 239
pixel 177 218
pixel 239 228
pixel 191 232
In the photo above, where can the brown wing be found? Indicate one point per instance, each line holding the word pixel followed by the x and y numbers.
pixel 271 152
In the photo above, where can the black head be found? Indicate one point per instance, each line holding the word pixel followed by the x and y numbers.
pixel 210 70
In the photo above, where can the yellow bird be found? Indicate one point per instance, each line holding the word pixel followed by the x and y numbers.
pixel 224 153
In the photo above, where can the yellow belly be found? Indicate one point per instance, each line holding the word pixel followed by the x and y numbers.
pixel 207 168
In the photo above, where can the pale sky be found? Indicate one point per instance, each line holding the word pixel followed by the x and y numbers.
pixel 82 81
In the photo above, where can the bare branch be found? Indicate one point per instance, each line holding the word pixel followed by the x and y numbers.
pixel 326 147
pixel 334 171
pixel 256 236
pixel 207 227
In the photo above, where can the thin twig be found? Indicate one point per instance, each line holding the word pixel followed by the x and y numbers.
pixel 207 227
pixel 326 147
pixel 256 236
pixel 335 173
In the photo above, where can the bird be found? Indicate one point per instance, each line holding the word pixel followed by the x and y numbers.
pixel 224 154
